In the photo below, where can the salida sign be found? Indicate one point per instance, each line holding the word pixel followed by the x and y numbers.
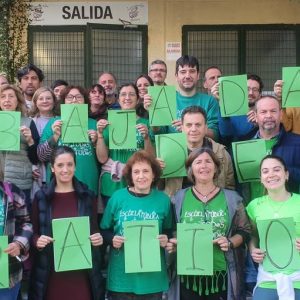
pixel 74 13
pixel 82 12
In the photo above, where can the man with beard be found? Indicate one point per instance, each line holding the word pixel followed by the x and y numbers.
pixel 30 79
pixel 238 128
pixel 109 82
pixel 279 142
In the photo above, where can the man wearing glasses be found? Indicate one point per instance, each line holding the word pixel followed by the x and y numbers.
pixel 158 72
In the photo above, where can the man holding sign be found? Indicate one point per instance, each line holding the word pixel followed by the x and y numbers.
pixel 187 75
pixel 194 125
pixel 237 128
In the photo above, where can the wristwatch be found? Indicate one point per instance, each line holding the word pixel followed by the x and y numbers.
pixel 230 244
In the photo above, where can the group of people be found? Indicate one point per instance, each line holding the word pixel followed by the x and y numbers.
pixel 48 179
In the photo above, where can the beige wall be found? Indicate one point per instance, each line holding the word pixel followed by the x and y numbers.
pixel 166 18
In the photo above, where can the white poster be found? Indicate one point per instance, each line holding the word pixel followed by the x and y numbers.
pixel 173 50
pixel 80 13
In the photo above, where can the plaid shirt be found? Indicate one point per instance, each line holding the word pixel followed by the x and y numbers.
pixel 17 227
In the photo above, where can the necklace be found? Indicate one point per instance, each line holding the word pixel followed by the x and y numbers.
pixel 205 196
pixel 277 210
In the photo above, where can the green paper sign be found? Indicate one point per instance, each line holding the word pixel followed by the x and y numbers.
pixel 122 130
pixel 277 237
pixel 247 157
pixel 4 273
pixel 75 123
pixel 72 246
pixel 172 148
pixel 142 250
pixel 233 95
pixel 291 87
pixel 194 249
pixel 10 130
pixel 163 108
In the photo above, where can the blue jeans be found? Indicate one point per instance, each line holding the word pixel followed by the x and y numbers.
pixel 10 293
pixel 270 294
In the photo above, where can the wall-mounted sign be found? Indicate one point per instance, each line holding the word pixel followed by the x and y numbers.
pixel 173 50
pixel 80 13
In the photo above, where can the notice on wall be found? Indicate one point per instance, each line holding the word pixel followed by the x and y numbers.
pixel 173 50
pixel 81 13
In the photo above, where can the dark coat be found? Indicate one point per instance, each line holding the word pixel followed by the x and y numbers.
pixel 42 262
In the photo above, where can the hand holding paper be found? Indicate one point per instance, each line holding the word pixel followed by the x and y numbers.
pixel 118 241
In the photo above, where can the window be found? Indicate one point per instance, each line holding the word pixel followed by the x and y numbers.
pixel 262 50
pixel 79 53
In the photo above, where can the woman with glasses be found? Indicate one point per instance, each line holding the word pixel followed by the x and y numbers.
pixel 115 159
pixel 85 152
pixel 98 106
pixel 202 203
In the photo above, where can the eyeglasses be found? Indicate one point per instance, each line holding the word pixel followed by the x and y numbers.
pixel 254 90
pixel 128 94
pixel 158 70
pixel 77 97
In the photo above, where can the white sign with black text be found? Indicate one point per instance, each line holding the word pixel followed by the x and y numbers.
pixel 80 13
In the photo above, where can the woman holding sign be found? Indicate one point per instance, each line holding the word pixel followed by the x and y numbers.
pixel 85 151
pixel 64 197
pixel 16 166
pixel 206 203
pixel 115 159
pixel 277 279
pixel 44 107
pixel 140 201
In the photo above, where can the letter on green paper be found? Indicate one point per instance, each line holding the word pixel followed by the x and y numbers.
pixel 277 238
pixel 247 157
pixel 75 123
pixel 10 130
pixel 194 249
pixel 122 129
pixel 4 271
pixel 172 148
pixel 142 250
pixel 233 95
pixel 163 108
pixel 72 246
pixel 291 87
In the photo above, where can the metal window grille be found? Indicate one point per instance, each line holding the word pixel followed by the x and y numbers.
pixel 258 49
pixel 79 53
pixel 60 55
pixel 117 51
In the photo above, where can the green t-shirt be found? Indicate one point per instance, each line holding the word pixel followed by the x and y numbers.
pixel 108 186
pixel 215 211
pixel 207 102
pixel 2 213
pixel 123 206
pixel 264 208
pixel 87 166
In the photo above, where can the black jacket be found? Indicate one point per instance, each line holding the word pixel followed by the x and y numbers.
pixel 42 259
